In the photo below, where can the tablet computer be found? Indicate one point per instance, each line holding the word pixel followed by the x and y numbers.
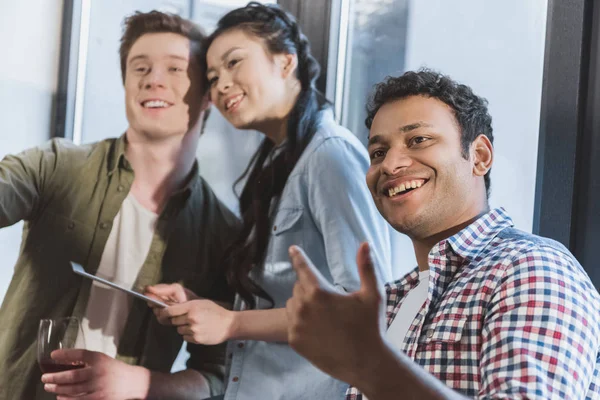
pixel 78 269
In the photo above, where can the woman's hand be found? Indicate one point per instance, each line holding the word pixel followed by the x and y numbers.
pixel 169 294
pixel 200 321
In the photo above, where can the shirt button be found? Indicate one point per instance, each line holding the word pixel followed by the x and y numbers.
pixel 235 379
pixel 275 228
pixel 430 333
pixel 240 345
pixel 120 188
pixel 103 225
pixel 71 225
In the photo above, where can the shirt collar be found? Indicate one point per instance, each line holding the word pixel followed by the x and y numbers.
pixel 461 249
pixel 116 156
pixel 117 159
pixel 470 241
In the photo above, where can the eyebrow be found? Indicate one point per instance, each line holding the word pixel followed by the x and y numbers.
pixel 403 129
pixel 145 57
pixel 223 57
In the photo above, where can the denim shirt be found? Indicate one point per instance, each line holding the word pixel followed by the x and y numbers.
pixel 326 209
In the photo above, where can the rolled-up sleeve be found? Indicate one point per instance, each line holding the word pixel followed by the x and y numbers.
pixel 23 179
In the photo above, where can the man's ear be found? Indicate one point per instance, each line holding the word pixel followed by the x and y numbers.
pixel 288 64
pixel 482 154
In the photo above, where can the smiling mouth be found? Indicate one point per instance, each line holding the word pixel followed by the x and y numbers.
pixel 405 188
pixel 155 104
pixel 233 102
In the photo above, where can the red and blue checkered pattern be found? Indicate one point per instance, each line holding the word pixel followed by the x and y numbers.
pixel 508 315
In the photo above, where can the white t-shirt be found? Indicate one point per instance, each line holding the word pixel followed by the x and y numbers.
pixel 408 311
pixel 124 254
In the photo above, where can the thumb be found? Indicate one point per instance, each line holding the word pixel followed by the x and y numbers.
pixel 171 293
pixel 366 270
pixel 308 274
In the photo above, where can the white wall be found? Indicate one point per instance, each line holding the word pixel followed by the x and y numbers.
pixel 30 32
pixel 497 48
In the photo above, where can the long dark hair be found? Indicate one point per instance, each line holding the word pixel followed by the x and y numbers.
pixel 281 34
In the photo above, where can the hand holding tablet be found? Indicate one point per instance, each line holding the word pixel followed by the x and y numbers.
pixel 78 269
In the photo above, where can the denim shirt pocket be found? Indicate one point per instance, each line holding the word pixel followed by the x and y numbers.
pixel 286 230
pixel 285 220
pixel 278 276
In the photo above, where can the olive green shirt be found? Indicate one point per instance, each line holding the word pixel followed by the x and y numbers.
pixel 68 196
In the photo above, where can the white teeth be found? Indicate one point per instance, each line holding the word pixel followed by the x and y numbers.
pixel 155 104
pixel 405 186
pixel 231 102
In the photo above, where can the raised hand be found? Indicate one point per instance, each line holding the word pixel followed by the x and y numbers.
pixel 335 331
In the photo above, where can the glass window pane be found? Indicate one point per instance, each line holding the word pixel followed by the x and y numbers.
pixel 103 113
pixel 494 46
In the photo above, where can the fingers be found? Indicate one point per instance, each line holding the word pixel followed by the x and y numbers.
pixel 291 312
pixel 69 377
pixel 308 275
pixel 168 292
pixel 181 320
pixel 174 310
pixel 190 339
pixel 88 396
pixel 185 330
pixel 161 319
pixel 70 356
pixel 70 390
pixel 298 290
pixel 366 270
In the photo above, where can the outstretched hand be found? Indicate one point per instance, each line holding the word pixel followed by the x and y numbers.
pixel 335 331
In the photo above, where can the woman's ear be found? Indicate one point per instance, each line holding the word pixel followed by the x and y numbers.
pixel 288 64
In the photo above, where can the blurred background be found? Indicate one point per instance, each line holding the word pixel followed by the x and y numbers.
pixel 534 60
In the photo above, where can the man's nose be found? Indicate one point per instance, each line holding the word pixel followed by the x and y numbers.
pixel 395 161
pixel 154 78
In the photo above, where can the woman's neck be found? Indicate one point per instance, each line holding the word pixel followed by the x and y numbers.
pixel 276 128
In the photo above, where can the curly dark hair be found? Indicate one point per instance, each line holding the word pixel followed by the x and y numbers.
pixel 470 111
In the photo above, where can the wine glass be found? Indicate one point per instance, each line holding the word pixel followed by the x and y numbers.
pixel 54 334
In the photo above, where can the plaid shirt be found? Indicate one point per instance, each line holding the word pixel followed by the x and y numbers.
pixel 508 315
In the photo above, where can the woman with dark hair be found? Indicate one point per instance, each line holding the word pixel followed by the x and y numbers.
pixel 304 186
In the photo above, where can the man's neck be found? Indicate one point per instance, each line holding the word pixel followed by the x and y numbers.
pixel 161 166
pixel 423 246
